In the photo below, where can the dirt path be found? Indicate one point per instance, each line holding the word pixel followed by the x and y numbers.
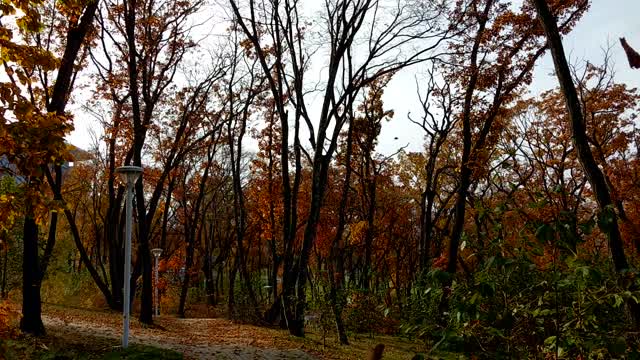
pixel 195 338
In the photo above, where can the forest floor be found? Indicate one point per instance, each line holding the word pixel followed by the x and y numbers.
pixel 98 332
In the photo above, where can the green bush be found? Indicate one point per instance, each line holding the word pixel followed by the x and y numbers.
pixel 244 306
pixel 363 313
pixel 138 352
pixel 510 307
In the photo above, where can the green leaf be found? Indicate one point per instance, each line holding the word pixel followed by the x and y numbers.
pixel 545 233
pixel 617 300
pixel 537 251
pixel 474 298
pixel 618 346
pixel 550 341
pixel 587 227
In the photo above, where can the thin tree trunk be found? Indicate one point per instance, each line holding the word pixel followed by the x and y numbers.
pixel 5 255
pixel 207 267
pixel 53 226
pixel 231 300
pixel 187 277
pixel 370 188
pixel 336 263
pixel 165 215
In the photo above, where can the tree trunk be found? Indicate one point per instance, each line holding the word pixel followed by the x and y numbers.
pixel 31 306
pixel 53 226
pixel 239 125
pixel 209 285
pixel 370 188
pixel 116 263
pixel 144 256
pixel 165 214
pixel 231 300
pixel 3 283
pixel 112 229
pixel 187 277
pixel 34 268
pixel 146 299
pixel 207 267
pixel 336 262
pixel 300 270
pixel 422 246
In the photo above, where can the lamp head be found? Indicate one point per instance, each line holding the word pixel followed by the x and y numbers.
pixel 156 252
pixel 129 174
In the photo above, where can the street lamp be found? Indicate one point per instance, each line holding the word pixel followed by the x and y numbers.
pixel 156 253
pixel 129 175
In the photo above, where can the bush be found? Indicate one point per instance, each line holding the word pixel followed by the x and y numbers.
pixel 512 308
pixel 320 316
pixel 363 313
pixel 244 309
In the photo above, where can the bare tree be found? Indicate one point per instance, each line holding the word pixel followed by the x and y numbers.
pixel 437 124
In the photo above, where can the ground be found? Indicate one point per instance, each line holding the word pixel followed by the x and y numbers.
pixel 96 333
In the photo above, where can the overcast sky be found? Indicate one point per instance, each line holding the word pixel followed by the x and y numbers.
pixel 606 22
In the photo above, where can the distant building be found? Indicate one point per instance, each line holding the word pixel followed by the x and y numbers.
pixel 9 169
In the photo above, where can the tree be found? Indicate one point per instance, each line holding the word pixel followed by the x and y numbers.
pixel 41 119
pixel 245 87
pixel 499 56
pixel 437 125
pixel 143 45
pixel 607 217
pixel 366 129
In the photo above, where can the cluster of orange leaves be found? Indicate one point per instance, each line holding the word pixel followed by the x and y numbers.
pixel 440 262
pixel 8 321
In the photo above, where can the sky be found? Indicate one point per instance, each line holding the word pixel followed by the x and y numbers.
pixel 604 24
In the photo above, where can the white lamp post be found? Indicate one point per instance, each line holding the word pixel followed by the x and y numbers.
pixel 129 175
pixel 156 253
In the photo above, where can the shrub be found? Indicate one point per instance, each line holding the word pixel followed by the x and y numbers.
pixel 363 313
pixel 510 308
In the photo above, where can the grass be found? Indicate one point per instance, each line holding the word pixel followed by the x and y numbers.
pixel 138 352
pixel 90 348
pixel 396 348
